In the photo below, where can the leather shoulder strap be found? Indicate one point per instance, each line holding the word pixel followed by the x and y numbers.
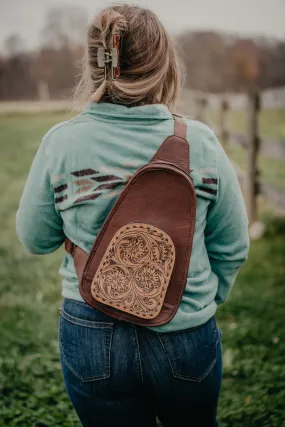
pixel 175 149
pixel 180 127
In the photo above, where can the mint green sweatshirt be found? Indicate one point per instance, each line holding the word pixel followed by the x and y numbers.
pixel 82 166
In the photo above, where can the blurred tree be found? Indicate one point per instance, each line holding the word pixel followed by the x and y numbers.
pixel 61 38
pixel 219 62
pixel 14 45
pixel 244 57
pixel 204 52
pixel 64 27
pixel 275 70
pixel 15 74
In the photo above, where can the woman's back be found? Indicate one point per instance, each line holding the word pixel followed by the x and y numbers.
pixel 85 163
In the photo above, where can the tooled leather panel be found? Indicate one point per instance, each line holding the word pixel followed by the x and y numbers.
pixel 135 270
pixel 166 200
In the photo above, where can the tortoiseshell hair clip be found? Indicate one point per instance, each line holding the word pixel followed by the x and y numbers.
pixel 105 56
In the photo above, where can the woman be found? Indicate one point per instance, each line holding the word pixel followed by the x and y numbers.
pixel 116 373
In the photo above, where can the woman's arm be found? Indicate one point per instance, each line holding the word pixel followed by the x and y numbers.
pixel 39 225
pixel 226 233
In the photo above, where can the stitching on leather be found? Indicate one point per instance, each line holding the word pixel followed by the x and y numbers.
pixel 191 223
pixel 191 227
pixel 188 247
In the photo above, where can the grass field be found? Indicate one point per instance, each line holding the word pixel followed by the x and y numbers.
pixel 31 386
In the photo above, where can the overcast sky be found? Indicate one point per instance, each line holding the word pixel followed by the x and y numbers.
pixel 252 17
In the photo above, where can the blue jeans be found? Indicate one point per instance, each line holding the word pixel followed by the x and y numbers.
pixel 121 375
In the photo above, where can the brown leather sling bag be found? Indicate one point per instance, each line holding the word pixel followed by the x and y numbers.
pixel 137 268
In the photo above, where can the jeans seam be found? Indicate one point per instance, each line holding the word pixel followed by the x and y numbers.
pixel 166 354
pixel 198 379
pixel 73 301
pixel 87 323
pixel 108 346
pixel 138 355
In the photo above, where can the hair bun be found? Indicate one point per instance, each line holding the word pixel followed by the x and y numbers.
pixel 111 22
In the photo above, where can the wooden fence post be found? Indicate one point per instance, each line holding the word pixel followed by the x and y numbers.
pixel 252 153
pixel 224 134
pixel 43 91
pixel 201 104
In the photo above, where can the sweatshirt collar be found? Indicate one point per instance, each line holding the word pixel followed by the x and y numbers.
pixel 111 111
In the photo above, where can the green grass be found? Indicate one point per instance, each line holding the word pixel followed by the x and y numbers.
pixel 31 385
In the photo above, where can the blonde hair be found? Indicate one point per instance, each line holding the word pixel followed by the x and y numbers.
pixel 150 71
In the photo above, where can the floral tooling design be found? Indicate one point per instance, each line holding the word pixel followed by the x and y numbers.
pixel 135 271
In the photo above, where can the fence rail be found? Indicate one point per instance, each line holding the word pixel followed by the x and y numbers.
pixel 269 99
pixel 273 148
pixel 252 103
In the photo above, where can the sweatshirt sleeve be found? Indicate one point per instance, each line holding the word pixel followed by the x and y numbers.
pixel 38 224
pixel 226 233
